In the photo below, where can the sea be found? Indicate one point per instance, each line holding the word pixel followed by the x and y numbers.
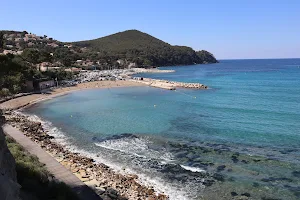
pixel 240 138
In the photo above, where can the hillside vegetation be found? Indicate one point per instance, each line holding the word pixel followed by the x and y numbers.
pixel 144 49
pixel 28 57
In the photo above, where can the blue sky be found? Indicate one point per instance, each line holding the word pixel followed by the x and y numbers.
pixel 229 29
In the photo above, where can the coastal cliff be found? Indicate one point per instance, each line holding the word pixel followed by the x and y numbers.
pixel 9 188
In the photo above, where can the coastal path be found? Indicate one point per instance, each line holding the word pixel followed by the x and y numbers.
pixel 54 167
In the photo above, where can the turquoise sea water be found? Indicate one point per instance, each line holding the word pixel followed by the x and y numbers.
pixel 242 135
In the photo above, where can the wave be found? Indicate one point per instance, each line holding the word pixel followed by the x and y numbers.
pixel 192 169
pixel 137 146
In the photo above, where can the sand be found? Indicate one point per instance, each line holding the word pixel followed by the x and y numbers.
pixel 20 102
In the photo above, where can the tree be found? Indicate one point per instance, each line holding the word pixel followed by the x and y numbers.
pixel 66 61
pixel 31 55
pixel 1 42
pixel 24 33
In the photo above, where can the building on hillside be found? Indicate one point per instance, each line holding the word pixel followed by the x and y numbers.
pixel 18 39
pixel 41 84
pixel 68 45
pixel 121 62
pixel 10 46
pixel 43 66
pixel 84 49
pixel 54 45
pixel 73 69
pixel 5 52
pixel 30 44
pixel 57 64
pixel 132 65
pixel 79 61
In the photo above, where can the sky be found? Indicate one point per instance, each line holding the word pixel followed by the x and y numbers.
pixel 232 29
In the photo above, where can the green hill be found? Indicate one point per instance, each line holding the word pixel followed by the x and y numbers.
pixel 144 49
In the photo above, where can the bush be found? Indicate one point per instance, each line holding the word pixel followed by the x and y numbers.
pixel 4 92
pixel 34 177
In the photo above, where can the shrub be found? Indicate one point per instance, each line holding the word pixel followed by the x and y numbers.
pixel 34 177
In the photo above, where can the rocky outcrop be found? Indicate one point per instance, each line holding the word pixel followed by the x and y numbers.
pixel 206 57
pixel 9 188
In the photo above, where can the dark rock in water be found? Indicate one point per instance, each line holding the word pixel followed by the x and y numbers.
pixel 297 194
pixel 176 172
pixel 181 154
pixel 207 163
pixel 191 156
pixel 236 154
pixel 231 179
pixel 296 174
pixel 234 194
pixel 295 190
pixel 218 177
pixel 245 161
pixel 234 159
pixel 221 168
pixel 206 151
pixel 229 170
pixel 271 179
pixel 208 182
pixel 115 137
pixel 255 184
pixel 181 177
pixel 246 194
pixel 256 160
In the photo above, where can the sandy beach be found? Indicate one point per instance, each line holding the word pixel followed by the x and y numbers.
pixel 20 102
pixel 98 176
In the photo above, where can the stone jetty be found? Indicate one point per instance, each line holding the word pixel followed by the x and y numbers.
pixel 170 85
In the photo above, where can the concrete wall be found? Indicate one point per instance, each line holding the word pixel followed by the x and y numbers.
pixel 9 188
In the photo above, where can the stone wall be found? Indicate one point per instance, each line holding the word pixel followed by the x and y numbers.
pixel 9 188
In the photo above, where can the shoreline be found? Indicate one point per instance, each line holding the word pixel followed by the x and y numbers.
pixel 21 101
pixel 24 101
pixel 66 156
pixel 98 176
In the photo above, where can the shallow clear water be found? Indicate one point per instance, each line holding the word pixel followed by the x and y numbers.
pixel 249 121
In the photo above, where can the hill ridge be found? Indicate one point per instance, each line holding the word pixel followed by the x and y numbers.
pixel 129 46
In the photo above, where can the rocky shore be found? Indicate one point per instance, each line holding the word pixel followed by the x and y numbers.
pixel 170 85
pixel 107 183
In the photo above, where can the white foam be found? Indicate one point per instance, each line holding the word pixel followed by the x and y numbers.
pixel 138 147
pixel 192 169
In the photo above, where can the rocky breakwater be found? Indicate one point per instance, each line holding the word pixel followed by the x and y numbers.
pixel 107 183
pixel 9 187
pixel 173 84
